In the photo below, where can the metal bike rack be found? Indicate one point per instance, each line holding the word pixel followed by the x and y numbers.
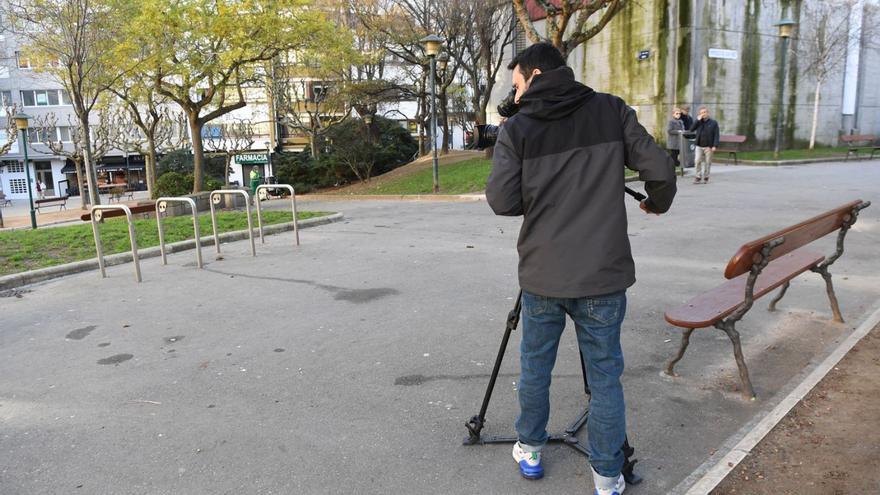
pixel 215 199
pixel 161 206
pixel 96 215
pixel 261 194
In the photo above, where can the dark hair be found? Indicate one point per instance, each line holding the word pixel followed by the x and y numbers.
pixel 542 56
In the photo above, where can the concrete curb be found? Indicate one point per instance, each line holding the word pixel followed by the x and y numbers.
pixel 393 197
pixel 779 163
pixel 452 198
pixel 31 277
pixel 712 472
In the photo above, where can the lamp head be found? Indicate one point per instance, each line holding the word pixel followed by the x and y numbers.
pixel 21 121
pixel 785 27
pixel 442 61
pixel 432 44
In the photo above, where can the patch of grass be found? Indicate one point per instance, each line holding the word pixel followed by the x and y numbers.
pixel 23 250
pixel 796 154
pixel 464 177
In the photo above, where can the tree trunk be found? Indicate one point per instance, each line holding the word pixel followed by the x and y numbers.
pixel 150 166
pixel 79 184
pixel 445 116
pixel 226 170
pixel 91 172
pixel 313 145
pixel 198 150
pixel 815 115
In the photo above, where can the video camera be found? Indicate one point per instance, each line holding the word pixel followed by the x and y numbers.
pixel 485 135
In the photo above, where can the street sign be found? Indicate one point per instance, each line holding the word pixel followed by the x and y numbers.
pixel 250 159
pixel 723 53
pixel 644 54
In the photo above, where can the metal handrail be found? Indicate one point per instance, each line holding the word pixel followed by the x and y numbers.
pixel 161 206
pixel 96 216
pixel 265 187
pixel 215 199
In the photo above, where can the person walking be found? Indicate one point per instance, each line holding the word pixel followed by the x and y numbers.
pixel 686 118
pixel 559 164
pixel 41 189
pixel 707 142
pixel 255 180
pixel 673 137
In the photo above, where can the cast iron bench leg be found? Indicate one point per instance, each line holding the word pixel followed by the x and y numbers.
pixel 835 307
pixel 685 340
pixel 778 297
pixel 728 327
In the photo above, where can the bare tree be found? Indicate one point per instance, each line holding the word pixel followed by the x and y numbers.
pixel 73 41
pixel 568 18
pixel 313 107
pixel 103 136
pixel 11 129
pixel 235 137
pixel 148 127
pixel 485 33
pixel 824 40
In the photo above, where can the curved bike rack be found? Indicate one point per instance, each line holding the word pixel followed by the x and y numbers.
pixel 161 206
pixel 261 195
pixel 96 215
pixel 215 199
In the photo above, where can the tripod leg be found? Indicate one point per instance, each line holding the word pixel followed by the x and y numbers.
pixel 584 371
pixel 475 424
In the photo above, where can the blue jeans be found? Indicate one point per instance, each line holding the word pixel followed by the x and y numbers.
pixel 597 322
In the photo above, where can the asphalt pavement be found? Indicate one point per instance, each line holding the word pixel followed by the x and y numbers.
pixel 351 363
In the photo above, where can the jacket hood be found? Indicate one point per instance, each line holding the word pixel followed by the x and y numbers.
pixel 554 94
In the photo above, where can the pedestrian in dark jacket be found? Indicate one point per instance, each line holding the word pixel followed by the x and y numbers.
pixel 559 162
pixel 686 118
pixel 707 142
pixel 673 135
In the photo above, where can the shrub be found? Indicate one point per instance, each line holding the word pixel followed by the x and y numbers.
pixel 173 184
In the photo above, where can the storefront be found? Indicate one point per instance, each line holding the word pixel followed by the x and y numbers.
pixel 245 163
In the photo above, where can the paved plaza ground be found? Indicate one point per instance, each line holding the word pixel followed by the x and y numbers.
pixel 351 363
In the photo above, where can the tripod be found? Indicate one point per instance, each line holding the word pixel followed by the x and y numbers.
pixel 568 437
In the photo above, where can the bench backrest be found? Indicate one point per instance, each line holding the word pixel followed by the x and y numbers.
pixel 87 217
pixel 855 138
pixel 732 138
pixel 795 236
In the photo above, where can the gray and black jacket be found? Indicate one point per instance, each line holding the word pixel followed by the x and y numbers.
pixel 559 163
pixel 708 135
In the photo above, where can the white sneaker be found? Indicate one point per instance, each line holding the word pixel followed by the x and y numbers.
pixel 606 485
pixel 529 462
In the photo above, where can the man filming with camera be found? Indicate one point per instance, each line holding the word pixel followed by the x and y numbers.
pixel 559 162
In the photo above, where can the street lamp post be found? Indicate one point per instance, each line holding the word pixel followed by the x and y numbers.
pixel 268 160
pixel 785 28
pixel 21 122
pixel 432 48
pixel 368 121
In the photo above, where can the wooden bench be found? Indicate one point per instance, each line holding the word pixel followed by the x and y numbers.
pixel 59 201
pixel 150 208
pixel 118 192
pixel 851 139
pixel 733 139
pixel 756 269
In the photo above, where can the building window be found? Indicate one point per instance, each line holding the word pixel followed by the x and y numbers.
pixel 18 186
pixel 14 167
pixel 7 98
pixel 64 134
pixel 44 97
pixel 23 62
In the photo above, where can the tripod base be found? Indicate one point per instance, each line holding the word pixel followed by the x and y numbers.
pixel 568 437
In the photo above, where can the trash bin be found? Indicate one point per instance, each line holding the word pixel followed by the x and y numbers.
pixel 687 147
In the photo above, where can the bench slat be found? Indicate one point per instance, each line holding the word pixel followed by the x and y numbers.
pixel 87 217
pixel 710 307
pixel 796 237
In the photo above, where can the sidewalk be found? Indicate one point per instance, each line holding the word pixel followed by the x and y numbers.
pixel 829 443
pixel 18 215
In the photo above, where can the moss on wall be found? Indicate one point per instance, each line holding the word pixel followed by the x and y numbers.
pixel 749 72
pixel 683 67
pixel 791 112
